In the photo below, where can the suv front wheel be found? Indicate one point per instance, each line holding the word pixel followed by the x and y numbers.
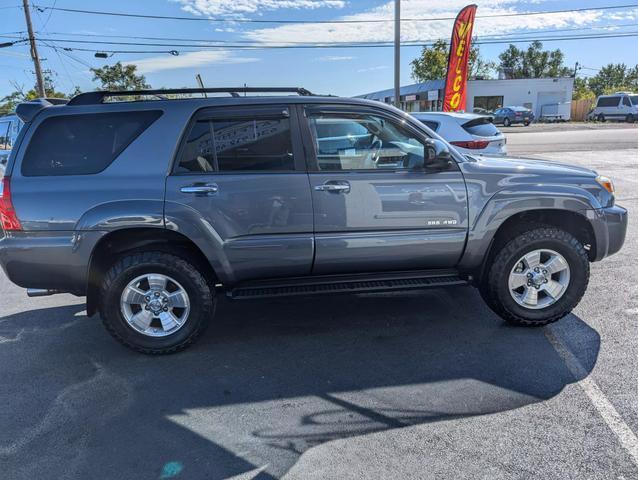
pixel 538 277
pixel 155 302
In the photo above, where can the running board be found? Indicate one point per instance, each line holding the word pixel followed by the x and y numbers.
pixel 332 284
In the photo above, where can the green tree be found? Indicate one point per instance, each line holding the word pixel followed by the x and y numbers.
pixel 582 90
pixel 9 102
pixel 614 77
pixel 533 62
pixel 119 77
pixel 432 63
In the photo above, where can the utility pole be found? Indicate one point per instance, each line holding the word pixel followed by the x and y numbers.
pixel 397 53
pixel 34 51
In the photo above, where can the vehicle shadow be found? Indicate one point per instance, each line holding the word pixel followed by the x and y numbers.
pixel 270 380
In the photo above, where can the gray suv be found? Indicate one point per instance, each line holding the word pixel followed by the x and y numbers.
pixel 152 204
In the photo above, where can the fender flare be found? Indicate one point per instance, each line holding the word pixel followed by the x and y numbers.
pixel 509 202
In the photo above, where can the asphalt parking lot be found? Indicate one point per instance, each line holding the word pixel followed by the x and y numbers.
pixel 426 384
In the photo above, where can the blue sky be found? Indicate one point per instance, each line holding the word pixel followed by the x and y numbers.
pixel 342 71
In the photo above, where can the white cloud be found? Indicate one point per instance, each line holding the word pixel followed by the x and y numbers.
pixel 373 69
pixel 334 58
pixel 424 30
pixel 240 7
pixel 188 60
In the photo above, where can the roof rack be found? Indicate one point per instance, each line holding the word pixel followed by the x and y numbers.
pixel 92 98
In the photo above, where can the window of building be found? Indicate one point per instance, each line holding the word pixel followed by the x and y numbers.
pixel 489 103
pixel 83 144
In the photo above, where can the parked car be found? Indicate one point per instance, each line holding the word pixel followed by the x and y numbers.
pixel 507 116
pixel 621 106
pixel 153 208
pixel 10 125
pixel 468 132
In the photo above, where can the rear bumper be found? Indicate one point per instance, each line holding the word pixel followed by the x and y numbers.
pixel 51 260
pixel 610 229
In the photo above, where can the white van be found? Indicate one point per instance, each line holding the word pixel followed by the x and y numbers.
pixel 621 106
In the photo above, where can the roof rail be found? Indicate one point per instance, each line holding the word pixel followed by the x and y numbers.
pixel 92 98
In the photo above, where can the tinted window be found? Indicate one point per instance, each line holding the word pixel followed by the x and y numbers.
pixel 430 124
pixel 481 127
pixel 634 99
pixel 82 144
pixel 197 151
pixel 238 145
pixel 365 142
pixel 608 101
pixel 5 130
pixel 625 101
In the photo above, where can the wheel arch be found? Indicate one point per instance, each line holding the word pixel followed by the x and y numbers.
pixel 571 221
pixel 117 243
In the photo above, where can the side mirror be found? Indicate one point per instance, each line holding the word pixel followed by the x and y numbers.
pixel 437 155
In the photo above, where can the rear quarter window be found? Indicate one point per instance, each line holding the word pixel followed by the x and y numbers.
pixel 82 144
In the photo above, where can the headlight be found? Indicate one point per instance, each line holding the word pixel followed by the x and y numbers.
pixel 606 183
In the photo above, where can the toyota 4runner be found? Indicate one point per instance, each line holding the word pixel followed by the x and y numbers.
pixel 152 204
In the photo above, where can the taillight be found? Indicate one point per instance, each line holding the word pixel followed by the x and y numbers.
pixel 8 218
pixel 472 144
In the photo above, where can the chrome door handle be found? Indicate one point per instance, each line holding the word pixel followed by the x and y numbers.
pixel 342 187
pixel 209 188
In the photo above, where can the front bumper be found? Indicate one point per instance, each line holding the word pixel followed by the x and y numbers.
pixel 610 230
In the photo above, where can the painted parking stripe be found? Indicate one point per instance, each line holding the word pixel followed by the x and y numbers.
pixel 607 411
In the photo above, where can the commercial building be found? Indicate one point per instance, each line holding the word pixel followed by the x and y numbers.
pixel 548 98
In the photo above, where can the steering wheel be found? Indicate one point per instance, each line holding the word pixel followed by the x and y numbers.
pixel 375 152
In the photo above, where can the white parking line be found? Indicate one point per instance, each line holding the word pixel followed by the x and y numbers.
pixel 607 411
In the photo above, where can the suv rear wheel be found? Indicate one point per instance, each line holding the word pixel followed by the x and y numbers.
pixel 538 277
pixel 507 122
pixel 155 302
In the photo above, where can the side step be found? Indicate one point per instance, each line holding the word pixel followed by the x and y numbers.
pixel 332 284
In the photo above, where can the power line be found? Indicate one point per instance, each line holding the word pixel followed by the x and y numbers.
pixel 246 20
pixel 199 47
pixel 221 41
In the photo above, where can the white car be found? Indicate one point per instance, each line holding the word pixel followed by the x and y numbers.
pixel 468 132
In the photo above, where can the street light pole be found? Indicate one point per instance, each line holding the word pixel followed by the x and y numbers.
pixel 34 51
pixel 397 53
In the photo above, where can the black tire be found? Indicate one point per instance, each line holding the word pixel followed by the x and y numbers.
pixel 495 289
pixel 601 118
pixel 526 124
pixel 201 296
pixel 507 122
pixel 630 118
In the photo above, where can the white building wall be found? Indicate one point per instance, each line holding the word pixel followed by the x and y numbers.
pixel 546 96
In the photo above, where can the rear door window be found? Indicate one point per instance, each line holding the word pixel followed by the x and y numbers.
pixel 82 144
pixel 238 144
